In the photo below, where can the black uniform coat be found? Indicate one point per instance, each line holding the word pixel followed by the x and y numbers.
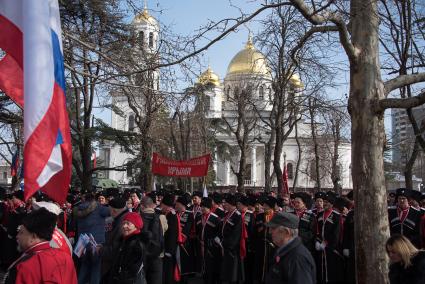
pixel 293 264
pixel 329 262
pixel 414 274
pixel 263 247
pixel 409 227
pixel 230 232
pixel 207 228
pixel 187 249
pixel 193 245
pixel 348 244
pixel 170 247
pixel 306 229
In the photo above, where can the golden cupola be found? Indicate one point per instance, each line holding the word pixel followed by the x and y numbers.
pixel 295 81
pixel 248 61
pixel 145 18
pixel 209 77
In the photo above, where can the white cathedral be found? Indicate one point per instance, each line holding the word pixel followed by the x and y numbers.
pixel 248 67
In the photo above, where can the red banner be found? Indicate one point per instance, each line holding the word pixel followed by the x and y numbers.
pixel 196 167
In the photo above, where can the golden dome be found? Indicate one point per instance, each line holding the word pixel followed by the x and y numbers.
pixel 248 61
pixel 209 77
pixel 145 17
pixel 296 81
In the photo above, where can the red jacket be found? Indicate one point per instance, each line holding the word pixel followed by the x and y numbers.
pixel 42 264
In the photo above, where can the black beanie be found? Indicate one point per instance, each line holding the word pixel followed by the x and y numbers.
pixel 118 203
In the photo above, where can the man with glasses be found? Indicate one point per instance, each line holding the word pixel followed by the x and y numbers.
pixel 39 263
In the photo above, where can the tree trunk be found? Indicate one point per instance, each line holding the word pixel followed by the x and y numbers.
pixel 311 108
pixel 241 173
pixel 335 157
pixel 408 171
pixel 268 149
pixel 368 135
pixel 297 167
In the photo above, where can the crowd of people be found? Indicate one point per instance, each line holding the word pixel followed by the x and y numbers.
pixel 173 237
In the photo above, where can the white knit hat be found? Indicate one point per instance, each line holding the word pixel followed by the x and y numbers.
pixel 50 206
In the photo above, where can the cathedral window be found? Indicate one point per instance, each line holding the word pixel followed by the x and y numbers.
pixel 151 39
pixel 141 38
pixel 131 123
pixel 313 173
pixel 129 170
pixel 236 92
pixel 261 93
pixel 290 170
pixel 227 94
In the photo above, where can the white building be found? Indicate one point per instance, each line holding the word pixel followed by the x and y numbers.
pixel 146 33
pixel 247 68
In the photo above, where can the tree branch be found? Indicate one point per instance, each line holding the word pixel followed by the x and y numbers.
pixel 317 19
pixel 401 81
pixel 401 103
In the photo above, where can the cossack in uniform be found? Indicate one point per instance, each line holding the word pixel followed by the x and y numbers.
pixel 187 259
pixel 329 260
pixel 207 228
pixel 406 222
pixel 230 235
pixel 263 247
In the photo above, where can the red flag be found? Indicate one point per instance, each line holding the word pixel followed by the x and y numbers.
pixel 285 180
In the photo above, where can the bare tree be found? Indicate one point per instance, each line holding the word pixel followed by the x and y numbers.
pixel 367 103
pixel 402 39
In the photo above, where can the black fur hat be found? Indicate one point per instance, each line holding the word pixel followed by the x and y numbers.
pixel 231 199
pixel 206 202
pixel 168 199
pixel 40 222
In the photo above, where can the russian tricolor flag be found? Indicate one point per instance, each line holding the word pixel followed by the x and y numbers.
pixel 32 74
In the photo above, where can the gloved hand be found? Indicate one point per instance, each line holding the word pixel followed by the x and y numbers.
pixel 346 252
pixel 217 241
pixel 320 246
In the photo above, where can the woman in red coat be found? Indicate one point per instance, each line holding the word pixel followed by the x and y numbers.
pixel 40 263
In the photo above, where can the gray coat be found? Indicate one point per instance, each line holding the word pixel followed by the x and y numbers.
pixel 293 264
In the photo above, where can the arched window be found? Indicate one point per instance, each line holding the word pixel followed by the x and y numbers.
pixel 131 123
pixel 236 92
pixel 141 38
pixel 151 39
pixel 290 170
pixel 227 94
pixel 129 170
pixel 269 93
pixel 261 93
pixel 313 173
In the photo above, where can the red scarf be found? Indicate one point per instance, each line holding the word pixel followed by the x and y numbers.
pixel 244 237
pixel 132 234
pixel 180 239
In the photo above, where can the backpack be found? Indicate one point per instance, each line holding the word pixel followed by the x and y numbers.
pixel 155 243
